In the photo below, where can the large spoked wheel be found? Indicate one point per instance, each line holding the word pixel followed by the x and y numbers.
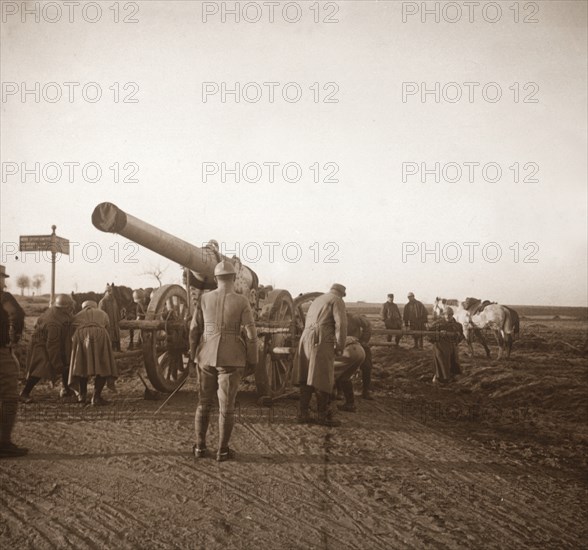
pixel 274 369
pixel 165 351
pixel 300 308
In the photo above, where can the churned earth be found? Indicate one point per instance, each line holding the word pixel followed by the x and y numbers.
pixel 496 460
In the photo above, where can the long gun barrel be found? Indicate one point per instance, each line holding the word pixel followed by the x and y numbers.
pixel 109 218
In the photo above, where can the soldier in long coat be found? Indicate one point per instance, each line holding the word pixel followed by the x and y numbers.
pixel 390 314
pixel 445 354
pixel 217 346
pixel 12 318
pixel 109 305
pixel 50 346
pixel 91 353
pixel 415 317
pixel 324 335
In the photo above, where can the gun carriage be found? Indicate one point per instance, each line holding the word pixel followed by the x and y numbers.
pixel 279 317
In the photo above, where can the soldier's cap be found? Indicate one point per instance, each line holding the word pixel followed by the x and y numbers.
pixel 88 304
pixel 224 268
pixel 390 295
pixel 449 310
pixel 338 288
pixel 411 295
pixel 3 272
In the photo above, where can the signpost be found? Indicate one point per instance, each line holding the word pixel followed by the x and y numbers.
pixel 51 243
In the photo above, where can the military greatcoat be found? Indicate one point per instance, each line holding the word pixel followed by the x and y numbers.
pixel 325 327
pixel 50 346
pixel 91 347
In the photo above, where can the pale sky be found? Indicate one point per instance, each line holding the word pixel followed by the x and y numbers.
pixel 368 134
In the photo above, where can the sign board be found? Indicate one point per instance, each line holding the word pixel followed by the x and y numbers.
pixel 37 243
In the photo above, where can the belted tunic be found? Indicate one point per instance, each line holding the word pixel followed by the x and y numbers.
pixel 216 329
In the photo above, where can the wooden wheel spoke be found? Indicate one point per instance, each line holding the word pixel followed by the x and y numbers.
pixel 164 351
pixel 273 372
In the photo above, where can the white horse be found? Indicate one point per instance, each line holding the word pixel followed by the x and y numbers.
pixel 494 316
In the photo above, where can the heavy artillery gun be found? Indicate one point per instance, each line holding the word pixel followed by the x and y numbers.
pixel 279 318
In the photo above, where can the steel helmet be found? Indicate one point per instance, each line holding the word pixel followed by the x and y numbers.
pixel 63 301
pixel 224 268
pixel 89 304
pixel 138 295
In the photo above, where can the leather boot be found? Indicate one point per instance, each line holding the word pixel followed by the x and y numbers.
pixel 366 382
pixel 201 421
pixel 305 397
pixel 226 422
pixel 97 400
pixel 349 405
pixel 325 416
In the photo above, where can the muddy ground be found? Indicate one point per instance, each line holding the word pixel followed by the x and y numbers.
pixel 497 460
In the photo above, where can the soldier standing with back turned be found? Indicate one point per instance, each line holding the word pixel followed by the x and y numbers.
pixel 218 348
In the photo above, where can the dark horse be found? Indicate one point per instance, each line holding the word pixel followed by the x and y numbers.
pixel 123 295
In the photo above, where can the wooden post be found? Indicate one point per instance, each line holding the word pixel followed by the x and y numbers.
pixel 53 252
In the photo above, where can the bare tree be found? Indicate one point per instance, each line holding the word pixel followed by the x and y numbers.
pixel 156 271
pixel 22 282
pixel 38 281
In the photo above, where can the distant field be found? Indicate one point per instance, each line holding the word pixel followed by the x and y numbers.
pixel 35 304
pixel 547 312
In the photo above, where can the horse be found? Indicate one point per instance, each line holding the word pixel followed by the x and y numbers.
pixel 474 315
pixel 439 307
pixel 128 306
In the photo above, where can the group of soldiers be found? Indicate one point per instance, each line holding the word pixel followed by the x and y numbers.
pixel 70 349
pixel 334 346
pixel 65 349
pixel 447 334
